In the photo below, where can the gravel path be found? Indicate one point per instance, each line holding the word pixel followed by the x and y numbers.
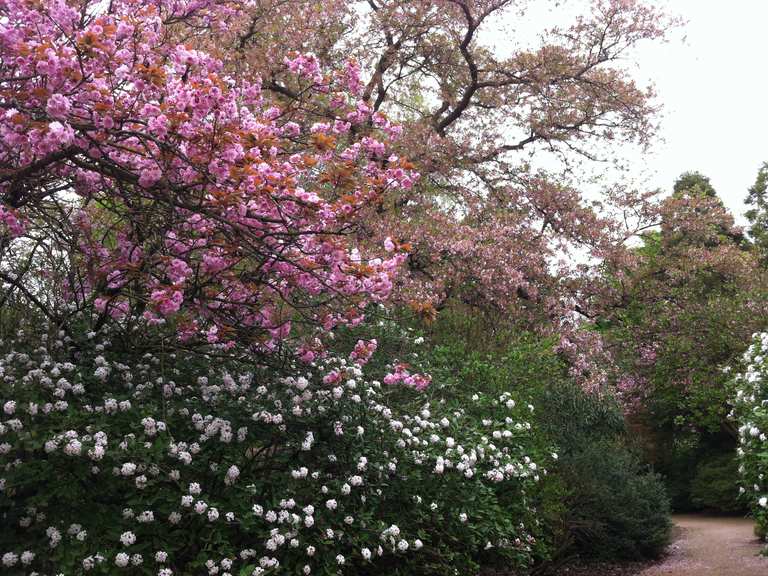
pixel 712 546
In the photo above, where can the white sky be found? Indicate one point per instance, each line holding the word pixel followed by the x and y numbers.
pixel 711 79
pixel 713 84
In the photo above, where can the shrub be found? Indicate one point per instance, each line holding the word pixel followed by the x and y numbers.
pixel 750 409
pixel 676 460
pixel 715 485
pixel 598 499
pixel 574 418
pixel 614 507
pixel 114 461
pixel 617 509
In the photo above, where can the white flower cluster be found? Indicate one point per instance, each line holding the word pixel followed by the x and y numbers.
pixel 750 410
pixel 201 458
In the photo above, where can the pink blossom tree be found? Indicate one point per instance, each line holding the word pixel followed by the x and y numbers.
pixel 483 226
pixel 178 191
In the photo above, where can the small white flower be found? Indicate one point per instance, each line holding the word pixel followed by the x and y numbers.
pixel 122 560
pixel 10 559
pixel 161 556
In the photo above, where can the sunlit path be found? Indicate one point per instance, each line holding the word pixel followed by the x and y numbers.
pixel 713 546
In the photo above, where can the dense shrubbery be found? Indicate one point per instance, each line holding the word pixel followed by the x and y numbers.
pixel 598 500
pixel 751 412
pixel 429 457
pixel 616 508
pixel 190 462
pixel 699 470
pixel 715 484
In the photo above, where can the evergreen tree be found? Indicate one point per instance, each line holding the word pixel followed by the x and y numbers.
pixel 758 213
pixel 695 184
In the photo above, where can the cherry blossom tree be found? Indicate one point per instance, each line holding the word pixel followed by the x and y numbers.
pixel 177 191
pixel 689 305
pixel 484 225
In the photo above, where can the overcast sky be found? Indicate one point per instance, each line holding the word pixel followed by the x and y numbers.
pixel 711 79
pixel 713 85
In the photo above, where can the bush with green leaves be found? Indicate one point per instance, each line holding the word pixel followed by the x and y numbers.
pixel 613 506
pixel 115 461
pixel 715 484
pixel 750 409
pixel 617 508
pixel 598 500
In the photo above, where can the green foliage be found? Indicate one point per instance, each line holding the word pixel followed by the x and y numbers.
pixel 617 508
pixel 757 215
pixel 715 484
pixel 527 366
pixel 676 460
pixel 574 419
pixel 597 500
pixel 690 301
pixel 693 183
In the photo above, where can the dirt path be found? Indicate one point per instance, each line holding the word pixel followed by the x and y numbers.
pixel 712 546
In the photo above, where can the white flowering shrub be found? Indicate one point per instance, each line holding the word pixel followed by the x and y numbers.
pixel 750 408
pixel 114 461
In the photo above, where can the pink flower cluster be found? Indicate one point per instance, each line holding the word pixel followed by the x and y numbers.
pixel 10 221
pixel 401 375
pixel 305 65
pixel 363 351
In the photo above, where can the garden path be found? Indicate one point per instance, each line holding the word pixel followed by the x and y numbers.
pixel 712 546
